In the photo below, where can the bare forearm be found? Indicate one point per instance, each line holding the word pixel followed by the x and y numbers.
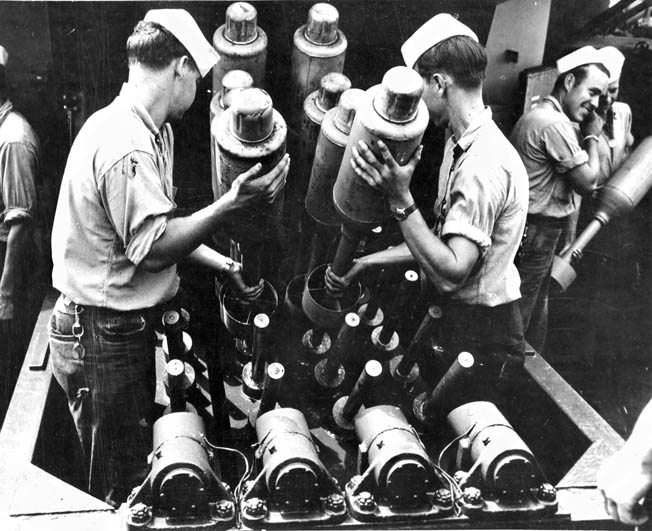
pixel 210 259
pixel 396 255
pixel 584 178
pixel 440 263
pixel 591 147
pixel 16 243
pixel 183 235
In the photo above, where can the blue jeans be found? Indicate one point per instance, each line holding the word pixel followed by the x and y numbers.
pixel 110 385
pixel 537 251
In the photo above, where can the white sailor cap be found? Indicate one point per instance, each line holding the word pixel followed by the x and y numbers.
pixel 4 56
pixel 613 59
pixel 437 29
pixel 181 24
pixel 583 56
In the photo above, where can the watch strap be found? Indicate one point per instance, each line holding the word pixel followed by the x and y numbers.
pixel 402 213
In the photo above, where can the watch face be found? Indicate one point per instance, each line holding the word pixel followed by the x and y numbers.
pixel 402 213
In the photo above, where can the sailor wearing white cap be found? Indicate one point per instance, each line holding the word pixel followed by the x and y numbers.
pixel 481 205
pixel 617 138
pixel 562 160
pixel 437 29
pixel 619 259
pixel 116 245
pixel 19 161
pixel 614 60
pixel 582 56
pixel 181 24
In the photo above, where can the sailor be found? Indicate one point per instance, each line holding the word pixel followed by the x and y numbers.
pixel 116 242
pixel 481 206
pixel 561 160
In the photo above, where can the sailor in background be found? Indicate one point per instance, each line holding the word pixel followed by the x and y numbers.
pixel 560 161
pixel 19 163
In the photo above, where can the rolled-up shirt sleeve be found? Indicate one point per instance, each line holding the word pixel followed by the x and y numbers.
pixel 18 165
pixel 475 199
pixel 136 203
pixel 562 146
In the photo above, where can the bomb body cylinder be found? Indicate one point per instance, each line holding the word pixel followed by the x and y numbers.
pixel 253 373
pixel 394 113
pixel 329 372
pixel 385 337
pixel 272 387
pixel 250 258
pixel 448 392
pixel 241 45
pixel 370 313
pixel 173 326
pixel 331 143
pixel 628 185
pixel 404 367
pixel 369 377
pixel 346 247
pixel 251 131
pixel 261 324
pixel 233 80
pixel 319 48
pixel 178 378
pixel 315 107
pixel 618 196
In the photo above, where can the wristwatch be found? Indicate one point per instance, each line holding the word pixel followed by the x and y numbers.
pixel 402 213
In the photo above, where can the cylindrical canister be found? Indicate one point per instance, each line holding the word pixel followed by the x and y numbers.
pixel 173 326
pixel 618 196
pixel 628 185
pixel 253 373
pixel 181 474
pixel 394 113
pixel 319 48
pixel 315 107
pixel 451 388
pixel 178 378
pixel 272 387
pixel 396 312
pixel 251 131
pixel 261 329
pixel 233 80
pixel 371 315
pixel 402 368
pixel 506 463
pixel 402 468
pixel 241 45
pixel 330 372
pixel 289 458
pixel 333 136
pixel 369 376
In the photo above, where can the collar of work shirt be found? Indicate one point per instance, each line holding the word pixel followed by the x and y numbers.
pixel 459 148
